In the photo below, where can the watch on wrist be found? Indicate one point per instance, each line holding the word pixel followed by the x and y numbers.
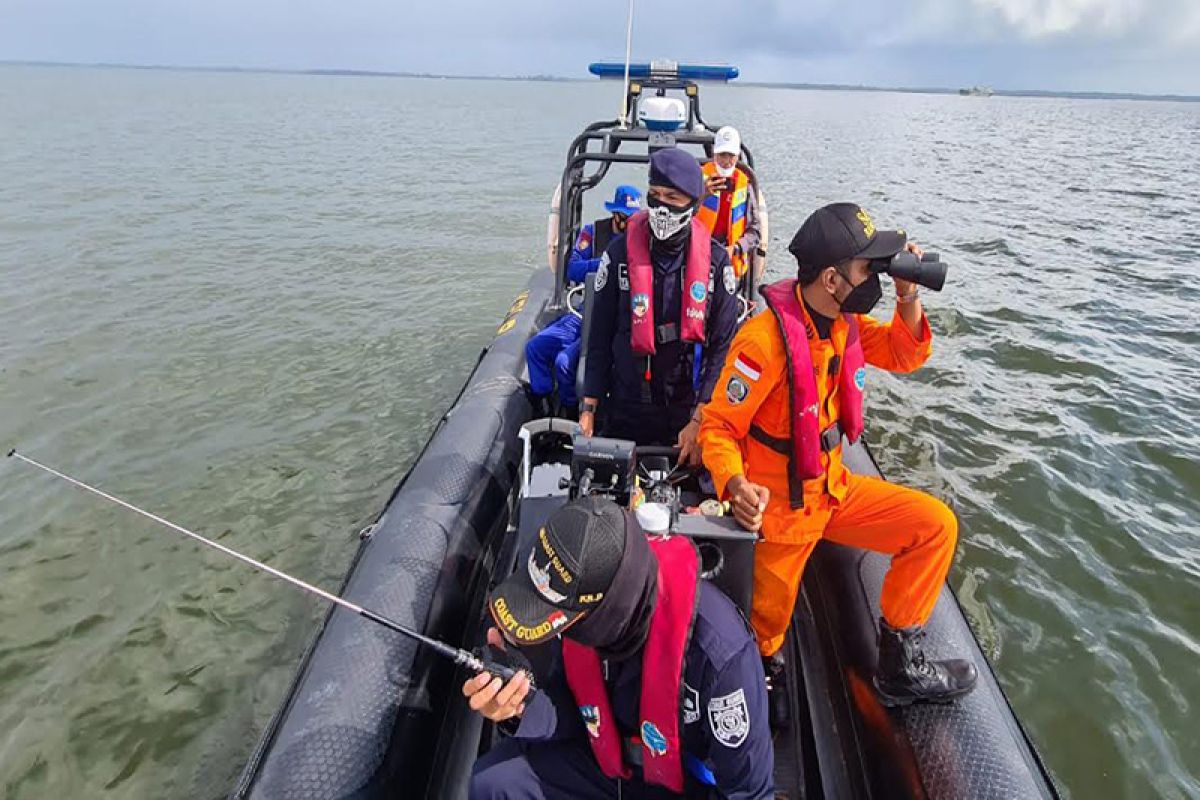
pixel 587 407
pixel 908 297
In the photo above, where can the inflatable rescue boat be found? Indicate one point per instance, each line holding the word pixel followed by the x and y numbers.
pixel 372 714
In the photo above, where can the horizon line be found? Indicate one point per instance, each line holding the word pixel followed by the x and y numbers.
pixel 550 78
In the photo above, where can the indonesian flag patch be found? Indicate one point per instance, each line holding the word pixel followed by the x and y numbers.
pixel 747 366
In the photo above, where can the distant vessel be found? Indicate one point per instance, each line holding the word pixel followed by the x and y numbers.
pixel 977 91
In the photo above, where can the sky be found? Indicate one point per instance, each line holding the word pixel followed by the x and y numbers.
pixel 1147 46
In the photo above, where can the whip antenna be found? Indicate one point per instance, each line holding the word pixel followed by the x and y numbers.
pixel 625 84
pixel 457 655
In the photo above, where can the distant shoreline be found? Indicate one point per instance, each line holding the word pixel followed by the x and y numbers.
pixel 824 87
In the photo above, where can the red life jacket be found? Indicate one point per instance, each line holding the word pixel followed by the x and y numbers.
pixel 804 456
pixel 641 284
pixel 662 674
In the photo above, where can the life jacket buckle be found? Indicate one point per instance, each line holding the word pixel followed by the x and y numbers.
pixel 667 333
pixel 831 437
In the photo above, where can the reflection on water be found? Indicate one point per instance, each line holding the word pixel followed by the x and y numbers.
pixel 241 301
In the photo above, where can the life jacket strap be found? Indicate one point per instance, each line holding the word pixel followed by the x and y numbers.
pixel 831 438
pixel 631 748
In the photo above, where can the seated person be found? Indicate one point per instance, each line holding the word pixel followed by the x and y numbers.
pixel 772 440
pixel 664 313
pixel 553 353
pixel 730 210
pixel 649 681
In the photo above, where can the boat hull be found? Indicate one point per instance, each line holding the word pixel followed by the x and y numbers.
pixel 371 715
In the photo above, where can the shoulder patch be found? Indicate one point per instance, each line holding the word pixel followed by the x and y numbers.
pixel 730 279
pixel 602 272
pixel 736 390
pixel 729 718
pixel 691 705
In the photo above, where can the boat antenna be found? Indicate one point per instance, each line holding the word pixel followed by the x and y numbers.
pixel 459 656
pixel 625 83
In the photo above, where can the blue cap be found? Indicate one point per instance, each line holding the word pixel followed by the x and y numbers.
pixel 626 200
pixel 675 168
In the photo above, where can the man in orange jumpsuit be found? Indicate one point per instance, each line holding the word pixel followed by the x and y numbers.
pixel 772 435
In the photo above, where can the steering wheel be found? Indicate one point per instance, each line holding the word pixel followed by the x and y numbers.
pixel 677 473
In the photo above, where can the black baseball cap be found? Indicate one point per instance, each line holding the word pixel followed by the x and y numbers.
pixel 572 564
pixel 839 232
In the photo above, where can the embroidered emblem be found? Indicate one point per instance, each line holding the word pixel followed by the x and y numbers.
pixel 691 705
pixel 860 378
pixel 640 304
pixel 652 737
pixel 591 720
pixel 867 223
pixel 736 390
pixel 602 273
pixel 541 580
pixel 729 278
pixel 729 718
pixel 699 291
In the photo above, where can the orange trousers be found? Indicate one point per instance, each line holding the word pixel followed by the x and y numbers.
pixel 917 530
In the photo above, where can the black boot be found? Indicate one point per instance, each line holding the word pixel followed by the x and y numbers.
pixel 905 676
pixel 779 706
pixel 539 405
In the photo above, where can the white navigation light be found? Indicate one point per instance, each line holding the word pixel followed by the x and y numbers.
pixel 662 113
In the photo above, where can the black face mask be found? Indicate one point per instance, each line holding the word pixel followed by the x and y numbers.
pixel 618 627
pixel 862 298
pixel 679 220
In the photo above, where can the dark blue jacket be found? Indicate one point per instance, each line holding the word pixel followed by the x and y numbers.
pixel 589 247
pixel 613 371
pixel 725 699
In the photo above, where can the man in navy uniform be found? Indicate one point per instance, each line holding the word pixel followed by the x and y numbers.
pixel 664 314
pixel 648 679
pixel 553 353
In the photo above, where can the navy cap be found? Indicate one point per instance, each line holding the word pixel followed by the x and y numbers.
pixel 675 168
pixel 840 232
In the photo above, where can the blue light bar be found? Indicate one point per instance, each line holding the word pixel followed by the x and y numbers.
pixel 664 69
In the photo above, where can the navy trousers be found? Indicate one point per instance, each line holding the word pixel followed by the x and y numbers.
pixel 516 770
pixel 553 356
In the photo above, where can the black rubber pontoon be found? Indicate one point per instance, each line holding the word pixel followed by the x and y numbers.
pixel 370 715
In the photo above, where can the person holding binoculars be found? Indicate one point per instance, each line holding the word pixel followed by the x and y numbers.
pixel 771 437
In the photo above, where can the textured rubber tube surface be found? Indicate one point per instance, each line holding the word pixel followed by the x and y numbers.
pixel 336 735
pixel 971 748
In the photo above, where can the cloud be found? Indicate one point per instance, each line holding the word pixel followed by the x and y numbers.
pixel 1130 45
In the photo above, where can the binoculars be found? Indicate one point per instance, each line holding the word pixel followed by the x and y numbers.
pixel 929 270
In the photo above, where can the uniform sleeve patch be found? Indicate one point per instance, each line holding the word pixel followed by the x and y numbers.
pixel 736 390
pixel 747 366
pixel 729 278
pixel 602 273
pixel 691 705
pixel 729 718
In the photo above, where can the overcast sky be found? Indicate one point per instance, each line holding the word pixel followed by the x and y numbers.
pixel 1109 45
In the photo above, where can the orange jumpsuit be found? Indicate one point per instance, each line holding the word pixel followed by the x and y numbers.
pixel 918 530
